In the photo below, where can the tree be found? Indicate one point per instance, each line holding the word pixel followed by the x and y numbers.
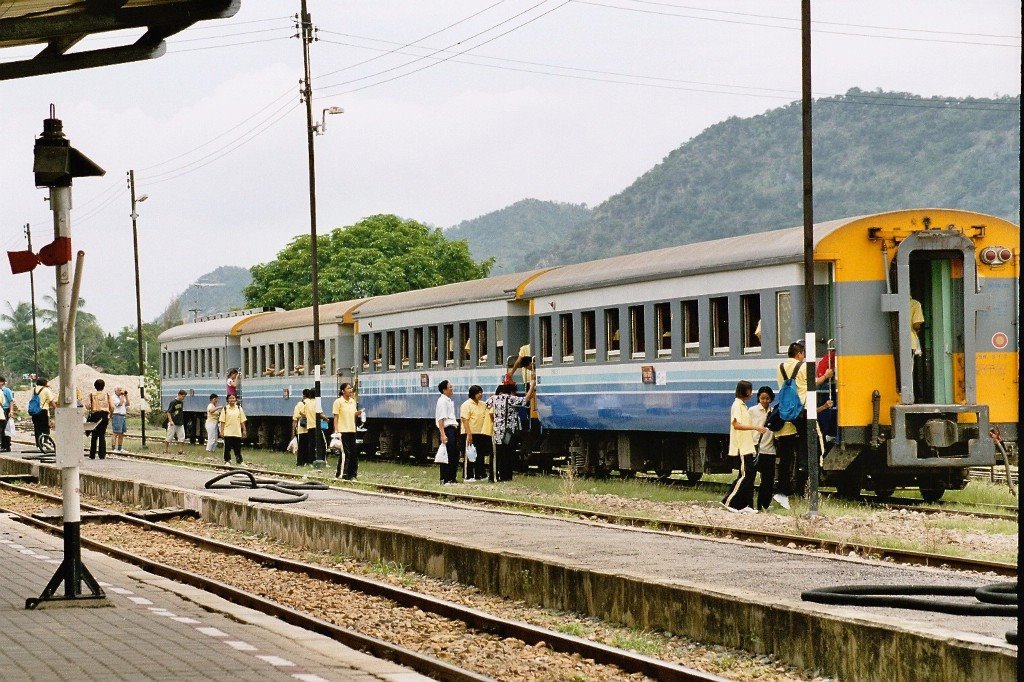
pixel 16 341
pixel 381 254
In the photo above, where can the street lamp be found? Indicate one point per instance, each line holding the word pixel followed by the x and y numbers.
pixel 138 301
pixel 321 127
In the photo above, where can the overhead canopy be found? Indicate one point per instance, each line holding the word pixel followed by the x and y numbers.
pixel 58 25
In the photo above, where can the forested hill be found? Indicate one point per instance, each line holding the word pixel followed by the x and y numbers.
pixel 873 152
pixel 520 235
pixel 217 291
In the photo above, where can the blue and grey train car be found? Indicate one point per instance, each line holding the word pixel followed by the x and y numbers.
pixel 409 342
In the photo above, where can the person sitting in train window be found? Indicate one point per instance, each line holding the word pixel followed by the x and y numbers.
pixel 366 362
pixel 377 360
pixel 916 323
pixel 298 369
pixel 271 371
pixel 757 330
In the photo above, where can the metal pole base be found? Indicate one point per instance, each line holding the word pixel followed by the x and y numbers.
pixel 72 572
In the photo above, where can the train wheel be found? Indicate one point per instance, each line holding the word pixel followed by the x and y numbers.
pixel 848 489
pixel 694 476
pixel 933 493
pixel 884 493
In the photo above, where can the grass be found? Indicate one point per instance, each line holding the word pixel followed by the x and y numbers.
pixel 639 641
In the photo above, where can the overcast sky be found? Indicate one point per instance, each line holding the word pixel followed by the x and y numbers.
pixel 540 112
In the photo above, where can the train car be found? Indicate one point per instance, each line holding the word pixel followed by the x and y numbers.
pixel 276 352
pixel 196 356
pixel 409 342
pixel 638 355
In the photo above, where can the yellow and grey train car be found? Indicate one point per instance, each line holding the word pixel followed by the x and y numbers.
pixel 918 412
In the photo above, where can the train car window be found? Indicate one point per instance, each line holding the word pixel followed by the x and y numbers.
pixel 588 318
pixel 464 339
pixel 691 330
pixel 566 327
pixel 783 320
pixel 417 347
pixel 245 362
pixel 545 340
pixel 636 332
pixel 321 355
pixel 333 368
pixel 481 343
pixel 216 362
pixel 280 361
pixel 611 333
pixel 364 351
pixel 720 326
pixel 663 320
pixel 403 347
pixel 378 352
pixel 449 345
pixel 750 306
pixel 391 350
pixel 434 351
pixel 499 343
pixel 300 361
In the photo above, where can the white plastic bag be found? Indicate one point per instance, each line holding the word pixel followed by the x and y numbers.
pixel 442 455
pixel 471 452
pixel 10 428
pixel 293 446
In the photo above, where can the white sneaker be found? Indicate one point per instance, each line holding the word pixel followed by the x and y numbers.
pixel 468 480
pixel 748 510
pixel 783 500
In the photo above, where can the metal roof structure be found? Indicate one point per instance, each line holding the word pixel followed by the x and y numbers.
pixel 747 250
pixel 473 291
pixel 330 314
pixel 59 25
pixel 218 326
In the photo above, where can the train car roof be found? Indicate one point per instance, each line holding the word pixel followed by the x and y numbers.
pixel 216 326
pixel 474 291
pixel 748 250
pixel 330 313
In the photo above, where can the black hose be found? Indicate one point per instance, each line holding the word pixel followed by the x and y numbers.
pixel 289 488
pixel 996 599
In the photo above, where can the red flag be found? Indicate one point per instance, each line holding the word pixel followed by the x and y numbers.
pixel 57 252
pixel 22 261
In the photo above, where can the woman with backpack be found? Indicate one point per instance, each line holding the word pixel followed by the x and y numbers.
pixel 100 407
pixel 39 406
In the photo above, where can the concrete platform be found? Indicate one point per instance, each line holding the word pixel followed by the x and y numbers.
pixel 152 629
pixel 715 591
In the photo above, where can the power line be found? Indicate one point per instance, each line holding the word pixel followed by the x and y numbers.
pixel 824 23
pixel 455 44
pixel 219 47
pixel 786 28
pixel 444 59
pixel 418 40
pixel 785 94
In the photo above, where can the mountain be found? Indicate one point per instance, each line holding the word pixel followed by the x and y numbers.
pixel 520 235
pixel 217 291
pixel 872 152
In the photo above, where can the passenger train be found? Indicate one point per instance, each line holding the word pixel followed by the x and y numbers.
pixel 637 356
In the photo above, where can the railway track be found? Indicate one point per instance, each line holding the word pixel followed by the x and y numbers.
pixel 839 548
pixel 281 569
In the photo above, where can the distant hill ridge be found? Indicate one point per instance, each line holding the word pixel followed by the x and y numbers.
pixel 873 151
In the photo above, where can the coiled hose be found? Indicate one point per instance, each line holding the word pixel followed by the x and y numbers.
pixel 289 488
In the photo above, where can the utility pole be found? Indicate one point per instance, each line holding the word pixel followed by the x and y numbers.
pixel 307 36
pixel 32 289
pixel 138 306
pixel 810 341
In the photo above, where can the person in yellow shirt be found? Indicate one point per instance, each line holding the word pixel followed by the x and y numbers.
pixel 41 418
pixel 478 430
pixel 303 425
pixel 345 409
pixel 232 429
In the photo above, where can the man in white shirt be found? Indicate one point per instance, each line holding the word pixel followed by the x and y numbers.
pixel 448 426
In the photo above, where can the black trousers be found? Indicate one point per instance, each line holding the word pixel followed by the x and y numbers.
pixel 741 493
pixel 765 491
pixel 348 462
pixel 233 444
pixel 484 449
pixel 5 440
pixel 504 461
pixel 792 454
pixel 98 441
pixel 450 471
pixel 304 456
pixel 41 424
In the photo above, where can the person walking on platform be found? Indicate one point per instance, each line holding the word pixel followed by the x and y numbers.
pixel 764 443
pixel 119 420
pixel 176 423
pixel 504 405
pixel 344 410
pixel 740 495
pixel 101 408
pixel 448 426
pixel 212 423
pixel 304 427
pixel 477 428
pixel 40 405
pixel 232 429
pixel 7 405
pixel 790 439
